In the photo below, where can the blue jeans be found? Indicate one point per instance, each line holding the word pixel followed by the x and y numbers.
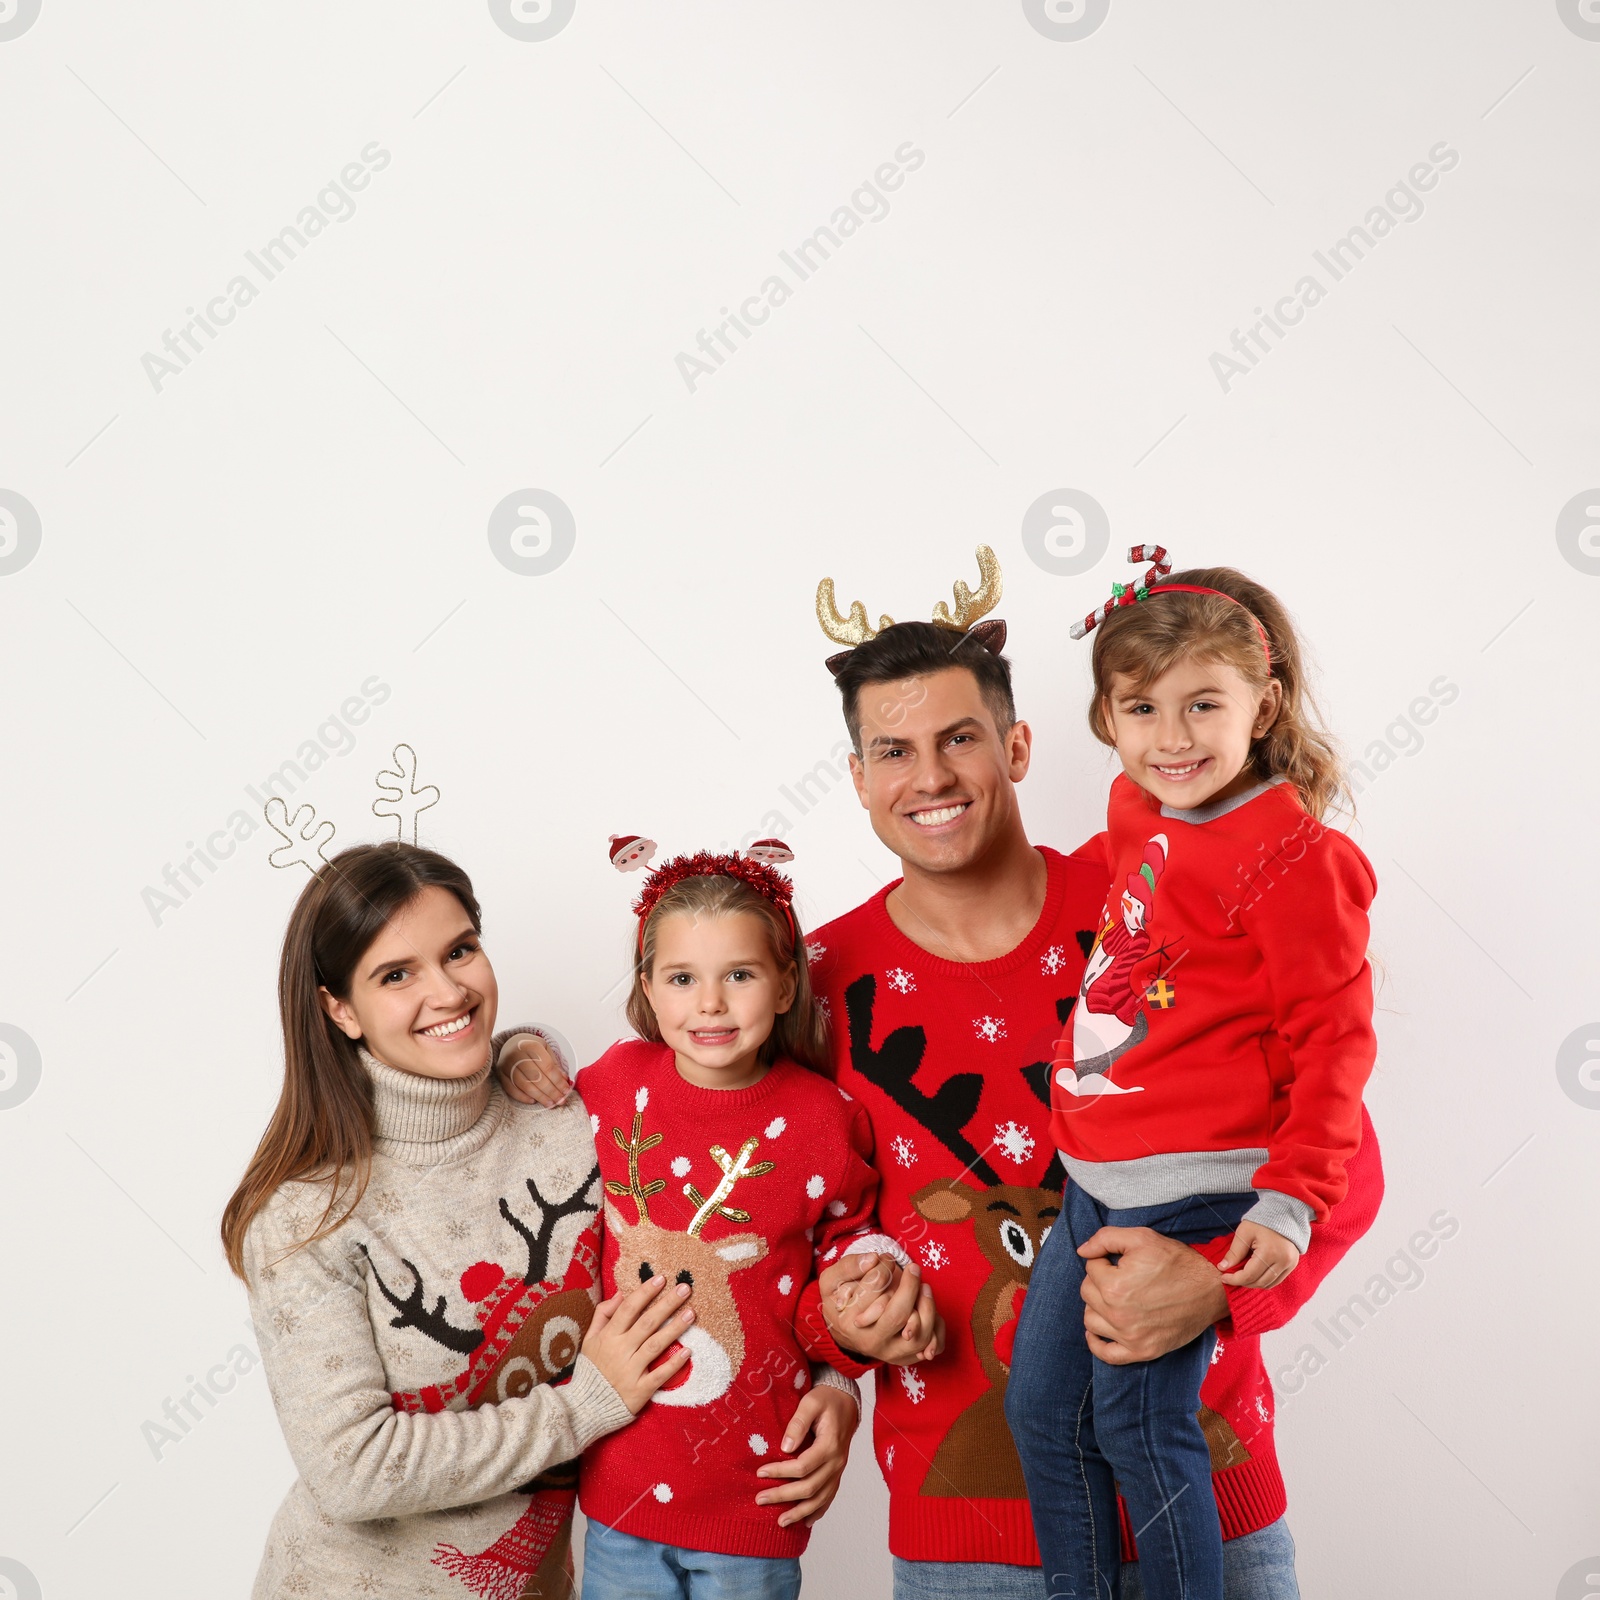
pixel 1084 1429
pixel 1257 1566
pixel 617 1566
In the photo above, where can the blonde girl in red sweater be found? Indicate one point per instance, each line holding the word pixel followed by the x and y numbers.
pixel 1210 1084
pixel 731 1165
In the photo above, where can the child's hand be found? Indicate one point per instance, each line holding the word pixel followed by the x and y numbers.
pixel 529 1072
pixel 1268 1258
pixel 880 1311
pixel 630 1331
pixel 830 1417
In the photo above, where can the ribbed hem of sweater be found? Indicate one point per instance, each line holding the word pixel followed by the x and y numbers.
pixel 954 1528
pixel 650 1518
pixel 424 1121
pixel 938 1528
pixel 597 1409
pixel 1249 1497
pixel 1168 1175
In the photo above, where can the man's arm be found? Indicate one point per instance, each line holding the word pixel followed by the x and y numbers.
pixel 1161 1294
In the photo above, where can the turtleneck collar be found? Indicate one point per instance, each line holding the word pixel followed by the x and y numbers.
pixel 429 1120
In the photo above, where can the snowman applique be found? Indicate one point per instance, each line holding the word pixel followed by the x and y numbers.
pixel 1109 1019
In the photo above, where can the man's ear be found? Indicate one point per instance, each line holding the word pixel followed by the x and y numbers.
pixel 858 776
pixel 1019 750
pixel 344 1019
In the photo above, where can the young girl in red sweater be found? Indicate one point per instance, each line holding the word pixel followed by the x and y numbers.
pixel 732 1165
pixel 1210 1083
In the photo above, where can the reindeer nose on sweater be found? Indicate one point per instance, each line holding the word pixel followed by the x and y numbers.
pixel 480 1280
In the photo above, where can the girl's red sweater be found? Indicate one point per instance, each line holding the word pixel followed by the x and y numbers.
pixel 951 1061
pixel 738 1191
pixel 1229 990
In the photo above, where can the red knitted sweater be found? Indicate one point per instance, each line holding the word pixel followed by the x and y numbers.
pixel 951 1061
pixel 1224 1032
pixel 736 1191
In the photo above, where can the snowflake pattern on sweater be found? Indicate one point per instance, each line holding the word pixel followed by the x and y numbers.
pixel 970 1180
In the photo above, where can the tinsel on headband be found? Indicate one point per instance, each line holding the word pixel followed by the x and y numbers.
pixel 767 881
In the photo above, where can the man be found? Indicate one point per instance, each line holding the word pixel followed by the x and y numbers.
pixel 947 991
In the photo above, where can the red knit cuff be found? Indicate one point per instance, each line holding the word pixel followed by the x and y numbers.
pixel 1214 1250
pixel 1251 1311
pixel 817 1340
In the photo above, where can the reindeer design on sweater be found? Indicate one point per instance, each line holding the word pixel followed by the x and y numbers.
pixel 1010 1223
pixel 529 1330
pixel 644 1248
pixel 529 1327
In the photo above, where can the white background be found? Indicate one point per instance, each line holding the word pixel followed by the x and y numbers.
pixel 305 507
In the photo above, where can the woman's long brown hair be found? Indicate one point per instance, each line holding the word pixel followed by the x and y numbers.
pixel 322 1129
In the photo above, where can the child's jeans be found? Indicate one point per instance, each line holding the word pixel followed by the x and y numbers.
pixel 1084 1428
pixel 617 1566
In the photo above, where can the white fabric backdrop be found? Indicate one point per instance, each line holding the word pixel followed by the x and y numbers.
pixel 213 556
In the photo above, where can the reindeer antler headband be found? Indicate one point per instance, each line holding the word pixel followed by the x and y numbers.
pixel 852 630
pixel 1154 583
pixel 754 866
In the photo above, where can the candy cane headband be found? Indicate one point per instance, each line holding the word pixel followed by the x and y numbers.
pixel 1127 594
pixel 754 867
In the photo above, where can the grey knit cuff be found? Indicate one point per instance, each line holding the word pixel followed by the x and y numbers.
pixel 825 1377
pixel 1283 1214
pixel 597 1409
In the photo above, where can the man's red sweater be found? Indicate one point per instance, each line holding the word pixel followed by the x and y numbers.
pixel 1224 1031
pixel 951 1061
pixel 736 1191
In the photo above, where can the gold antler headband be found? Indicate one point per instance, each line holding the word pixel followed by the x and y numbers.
pixel 970 605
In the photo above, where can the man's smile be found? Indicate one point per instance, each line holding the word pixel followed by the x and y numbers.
pixel 938 816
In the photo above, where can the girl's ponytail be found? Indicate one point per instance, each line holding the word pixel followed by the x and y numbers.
pixel 1142 642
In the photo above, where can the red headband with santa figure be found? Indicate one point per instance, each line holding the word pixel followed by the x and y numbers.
pixel 755 866
pixel 1154 583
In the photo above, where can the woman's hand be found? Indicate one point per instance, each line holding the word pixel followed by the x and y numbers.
pixel 630 1331
pixel 879 1311
pixel 1258 1258
pixel 830 1417
pixel 530 1072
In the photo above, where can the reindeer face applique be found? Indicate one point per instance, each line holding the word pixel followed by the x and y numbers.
pixel 1010 1223
pixel 715 1341
pixel 529 1327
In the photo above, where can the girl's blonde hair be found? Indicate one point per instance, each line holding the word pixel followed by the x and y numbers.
pixel 801 1032
pixel 1141 642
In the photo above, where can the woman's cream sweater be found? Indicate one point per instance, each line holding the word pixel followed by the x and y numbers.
pixel 410 1352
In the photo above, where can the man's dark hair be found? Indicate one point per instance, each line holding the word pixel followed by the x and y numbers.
pixel 918 649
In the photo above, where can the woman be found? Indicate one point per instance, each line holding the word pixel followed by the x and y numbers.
pixel 421 1257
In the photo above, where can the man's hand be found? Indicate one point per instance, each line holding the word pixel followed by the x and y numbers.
pixel 1267 1258
pixel 830 1417
pixel 530 1073
pixel 1156 1298
pixel 880 1312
